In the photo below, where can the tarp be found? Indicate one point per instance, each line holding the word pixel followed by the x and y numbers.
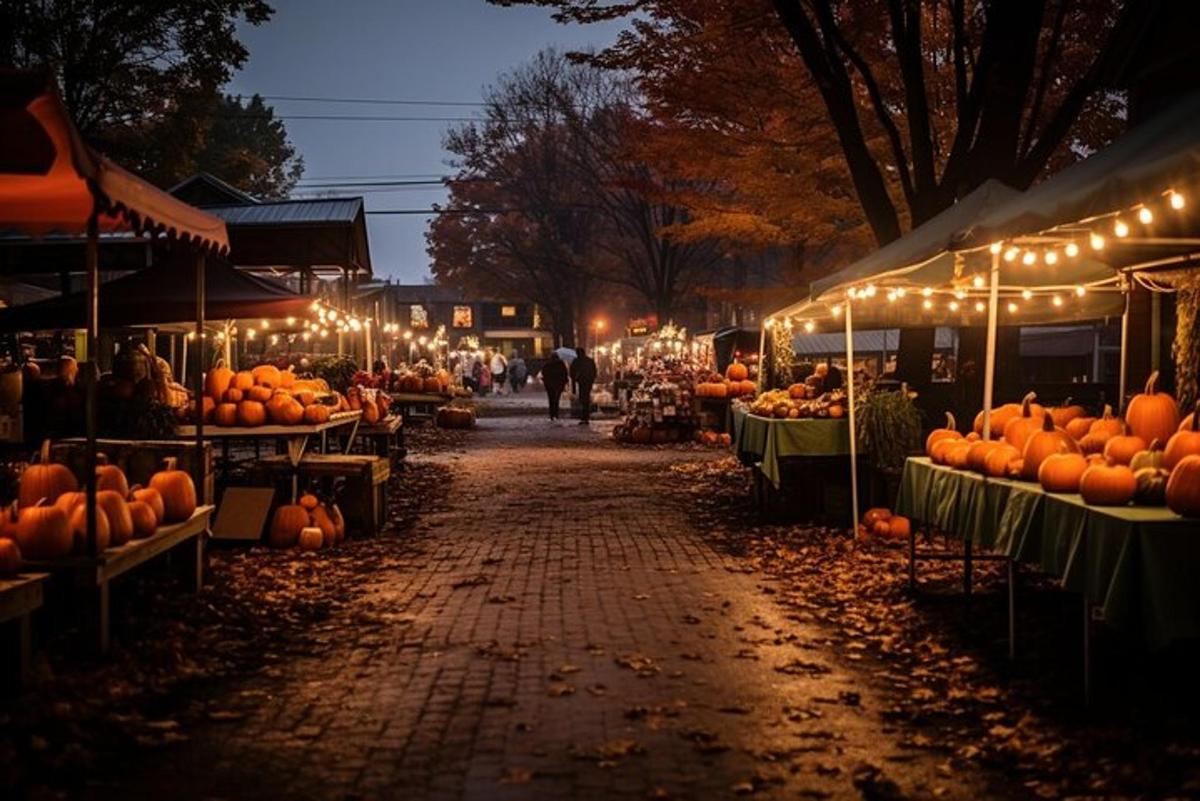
pixel 51 181
pixel 163 294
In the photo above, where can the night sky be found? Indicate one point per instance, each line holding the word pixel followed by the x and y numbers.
pixel 441 50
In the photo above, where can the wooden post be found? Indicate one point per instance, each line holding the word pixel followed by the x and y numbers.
pixel 989 369
pixel 1123 374
pixel 850 420
pixel 198 379
pixel 92 259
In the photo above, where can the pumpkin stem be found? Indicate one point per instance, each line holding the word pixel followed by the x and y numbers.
pixel 1047 423
pixel 1152 383
pixel 952 424
pixel 1107 412
pixel 1029 398
pixel 44 454
pixel 169 463
pixel 1196 417
pixel 1155 445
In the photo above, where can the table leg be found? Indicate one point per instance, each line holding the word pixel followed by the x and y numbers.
pixel 967 564
pixel 25 652
pixel 198 567
pixel 102 619
pixel 1087 652
pixel 912 558
pixel 295 452
pixel 1012 610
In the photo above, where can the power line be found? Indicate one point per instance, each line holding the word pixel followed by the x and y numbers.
pixel 374 101
pixel 347 117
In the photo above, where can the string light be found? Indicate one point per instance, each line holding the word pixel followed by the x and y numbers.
pixel 1096 241
pixel 1057 300
pixel 250 333
pixel 1012 307
pixel 996 247
pixel 1011 254
pixel 954 305
pixel 306 336
pixel 1072 250
pixel 1176 200
pixel 1029 258
pixel 769 323
pixel 324 333
pixel 927 303
pixel 1026 294
pixel 1121 228
pixel 1145 216
pixel 1050 257
pixel 836 310
pixel 291 321
pixel 977 281
pixel 901 292
pixel 979 306
pixel 1080 291
pixel 959 294
pixel 891 296
pixel 266 324
pixel 274 339
pixel 927 291
pixel 808 326
pixel 870 291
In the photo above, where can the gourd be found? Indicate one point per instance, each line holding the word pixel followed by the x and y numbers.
pixel 45 479
pixel 1184 442
pixel 1152 456
pixel 1107 485
pixel 316 414
pixel 178 492
pixel 322 520
pixel 285 410
pixel 10 558
pixel 998 459
pixel 1121 448
pixel 218 380
pixel 1066 413
pixel 251 413
pixel 110 477
pixel 1061 472
pixel 1150 486
pixel 311 538
pixel 1152 414
pixel 1107 424
pixel 42 532
pixel 1042 444
pixel 289 520
pixel 120 523
pixel 1018 429
pixel 1183 487
pixel 144 520
pixel 267 375
pixel 226 414
pixel 152 498
pixel 370 413
pixel 939 434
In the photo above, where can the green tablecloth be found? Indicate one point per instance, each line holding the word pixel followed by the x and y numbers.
pixel 763 442
pixel 1137 564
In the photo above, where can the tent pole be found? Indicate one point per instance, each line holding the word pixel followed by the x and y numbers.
pixel 198 467
pixel 183 360
pixel 92 259
pixel 989 370
pixel 762 353
pixel 850 420
pixel 1124 369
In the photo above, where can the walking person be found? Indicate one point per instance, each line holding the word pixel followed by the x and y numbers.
pixel 554 378
pixel 485 376
pixel 583 376
pixel 499 366
pixel 517 372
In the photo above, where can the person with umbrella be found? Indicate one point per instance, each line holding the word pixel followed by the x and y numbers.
pixel 583 376
pixel 554 379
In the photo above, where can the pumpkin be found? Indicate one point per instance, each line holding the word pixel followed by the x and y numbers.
pixel 243 380
pixel 1184 442
pixel 42 532
pixel 736 371
pixel 354 399
pixel 997 461
pixel 1001 415
pixel 370 413
pixel 286 525
pixel 218 380
pixel 267 375
pixel 939 434
pixel 110 477
pixel 68 369
pixel 1094 442
pixel 177 490
pixel 10 558
pixel 874 515
pixel 1107 424
pixel 251 413
pixel 1061 472
pixel 77 520
pixel 1188 421
pixel 1066 413
pixel 259 394
pixel 1107 485
pixel 978 452
pixel 233 395
pixel 144 520
pixel 285 410
pixel 1152 414
pixel 311 539
pixel 1078 428
pixel 45 480
pixel 899 527
pixel 1018 429
pixel 1042 444
pixel 120 523
pixel 316 414
pixel 322 520
pixel 287 378
pixel 431 385
pixel 956 455
pixel 1183 487
pixel 882 528
pixel 1123 447
pixel 152 498
pixel 309 501
pixel 226 414
pixel 1150 486
pixel 306 397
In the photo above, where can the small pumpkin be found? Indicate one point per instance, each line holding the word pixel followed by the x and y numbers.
pixel 1094 442
pixel 1150 486
pixel 736 371
pixel 1066 413
pixel 1184 442
pixel 306 397
pixel 287 378
pixel 262 394
pixel 316 414
pixel 233 395
pixel 1018 429
pixel 152 498
pixel 322 520
pixel 1121 448
pixel 997 461
pixel 251 413
pixel 1041 444
pixel 226 414
pixel 1152 414
pixel 899 527
pixel 120 522
pixel 310 539
pixel 144 521
pixel 1079 427
pixel 978 452
pixel 1152 456
pixel 289 520
pixel 42 532
pixel 874 515
pixel 999 419
pixel 1107 424
pixel 178 492
pixel 218 380
pixel 267 375
pixel 243 380
pixel 285 410
pixel 77 517
pixel 1061 472
pixel 10 558
pixel 110 477
pixel 956 455
pixel 45 479
pixel 370 413
pixel 309 501
pixel 1183 487
pixel 1107 485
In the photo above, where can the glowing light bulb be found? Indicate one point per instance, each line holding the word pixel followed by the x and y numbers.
pixel 1145 216
pixel 770 322
pixel 852 293
pixel 291 321
pixel 977 281
pixel 809 326
pixel 1096 241
pixel 959 294
pixel 901 292
pixel 836 310
pixel 324 333
pixel 192 335
pixel 979 306
pixel 1080 291
pixel 954 305
pixel 265 324
pixel 1121 228
pixel 1011 254
pixel 250 333
pixel 274 339
pixel 1029 258
pixel 927 303
pixel 891 296
pixel 1057 300
pixel 1176 200
pixel 870 290
pixel 1050 257
pixel 1012 307
pixel 996 247
pixel 927 291
pixel 306 336
pixel 1072 250
pixel 1026 294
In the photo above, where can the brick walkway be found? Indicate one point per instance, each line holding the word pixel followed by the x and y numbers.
pixel 557 631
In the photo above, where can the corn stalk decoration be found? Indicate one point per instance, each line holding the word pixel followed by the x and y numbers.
pixel 1187 336
pixel 783 356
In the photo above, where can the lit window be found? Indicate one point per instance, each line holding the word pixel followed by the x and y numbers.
pixel 508 311
pixel 418 316
pixel 462 317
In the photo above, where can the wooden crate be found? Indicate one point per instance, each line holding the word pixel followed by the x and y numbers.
pixel 364 499
pixel 139 459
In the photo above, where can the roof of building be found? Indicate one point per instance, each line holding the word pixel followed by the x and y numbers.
pixel 314 211
pixel 205 189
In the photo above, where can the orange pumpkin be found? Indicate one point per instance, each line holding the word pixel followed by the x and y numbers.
pixel 120 523
pixel 233 395
pixel 285 410
pixel 1042 444
pixel 110 477
pixel 243 380
pixel 1018 429
pixel 977 454
pixel 1002 415
pixel 736 371
pixel 938 434
pixel 45 479
pixel 1184 442
pixel 1121 449
pixel 998 459
pixel 1061 472
pixel 251 413
pixel 267 375
pixel 899 527
pixel 1107 485
pixel 309 501
pixel 316 414
pixel 956 454
pixel 77 520
pixel 287 378
pixel 306 397
pixel 431 385
pixel 322 520
pixel 178 492
pixel 1066 413
pixel 1078 428
pixel 1094 442
pixel 42 532
pixel 218 380
pixel 1183 487
pixel 1107 424
pixel 286 526
pixel 226 414
pixel 144 521
pixel 370 413
pixel 10 558
pixel 874 515
pixel 260 394
pixel 1152 414
pixel 941 448
pixel 152 498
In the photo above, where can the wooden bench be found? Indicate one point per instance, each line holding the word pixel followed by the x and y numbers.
pixel 364 500
pixel 19 598
pixel 93 574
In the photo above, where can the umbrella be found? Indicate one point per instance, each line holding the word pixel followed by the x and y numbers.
pixel 566 354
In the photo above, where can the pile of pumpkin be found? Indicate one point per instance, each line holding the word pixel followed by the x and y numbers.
pixel 266 394
pixel 1149 458
pixel 880 523
pixel 793 403
pixel 307 524
pixel 735 384
pixel 707 436
pixel 422 378
pixel 455 417
pixel 48 520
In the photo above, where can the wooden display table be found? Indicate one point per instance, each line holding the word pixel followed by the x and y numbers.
pixel 366 483
pixel 19 597
pixel 420 404
pixel 95 573
pixel 385 437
